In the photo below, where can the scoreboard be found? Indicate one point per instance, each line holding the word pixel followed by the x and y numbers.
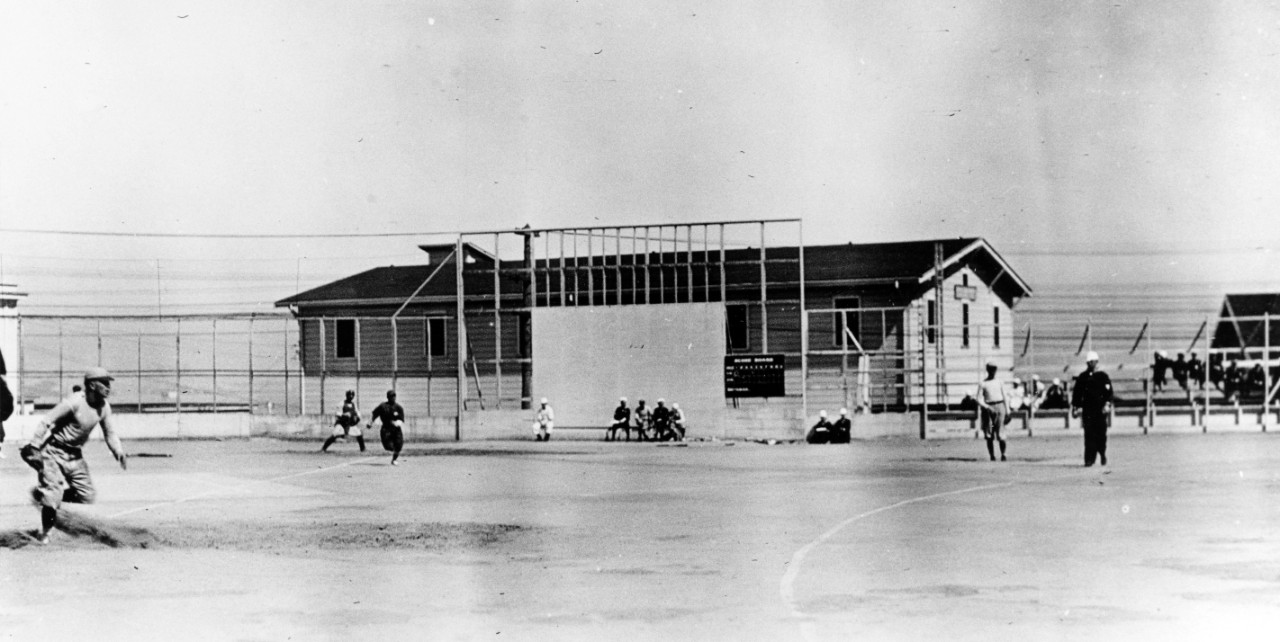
pixel 755 375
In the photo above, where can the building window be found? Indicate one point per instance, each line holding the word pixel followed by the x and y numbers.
pixel 345 338
pixel 739 332
pixel 436 337
pixel 964 330
pixel 995 321
pixel 932 330
pixel 852 320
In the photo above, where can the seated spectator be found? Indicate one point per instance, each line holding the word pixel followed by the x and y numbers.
pixel 841 429
pixel 968 403
pixel 1231 382
pixel 642 415
pixel 1160 370
pixel 1180 371
pixel 1257 378
pixel 1035 389
pixel 1195 370
pixel 543 424
pixel 1016 396
pixel 678 420
pixel 1055 396
pixel 662 422
pixel 821 431
pixel 1215 370
pixel 621 421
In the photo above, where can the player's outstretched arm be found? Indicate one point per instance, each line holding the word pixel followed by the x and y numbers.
pixel 113 441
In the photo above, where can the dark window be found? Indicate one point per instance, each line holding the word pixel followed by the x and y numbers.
pixel 739 333
pixel 436 337
pixel 852 319
pixel 995 332
pixel 345 338
pixel 932 330
pixel 964 320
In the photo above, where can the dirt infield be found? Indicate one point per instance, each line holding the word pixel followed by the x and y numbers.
pixel 879 540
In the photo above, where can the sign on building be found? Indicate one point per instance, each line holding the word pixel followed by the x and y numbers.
pixel 755 375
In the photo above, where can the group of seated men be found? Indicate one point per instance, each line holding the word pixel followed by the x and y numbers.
pixel 825 432
pixel 657 424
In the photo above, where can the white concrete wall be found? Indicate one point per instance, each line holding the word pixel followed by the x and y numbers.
pixel 585 358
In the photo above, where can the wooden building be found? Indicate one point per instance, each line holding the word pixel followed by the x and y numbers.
pixel 940 307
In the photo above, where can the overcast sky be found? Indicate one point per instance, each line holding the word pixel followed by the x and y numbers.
pixel 1095 144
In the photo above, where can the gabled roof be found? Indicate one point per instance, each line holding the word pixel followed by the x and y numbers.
pixel 394 285
pixel 385 285
pixel 909 264
pixel 908 260
pixel 1241 321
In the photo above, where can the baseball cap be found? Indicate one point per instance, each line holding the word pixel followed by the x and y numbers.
pixel 544 400
pixel 991 363
pixel 844 411
pixel 1092 356
pixel 822 413
pixel 97 373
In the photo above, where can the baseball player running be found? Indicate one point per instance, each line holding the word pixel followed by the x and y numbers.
pixel 391 414
pixel 346 420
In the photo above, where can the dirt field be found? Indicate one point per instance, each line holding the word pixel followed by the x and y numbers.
pixel 1178 539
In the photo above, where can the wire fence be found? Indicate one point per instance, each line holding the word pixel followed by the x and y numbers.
pixel 201 363
pixel 888 360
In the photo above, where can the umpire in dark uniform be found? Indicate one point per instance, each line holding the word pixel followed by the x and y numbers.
pixel 1090 398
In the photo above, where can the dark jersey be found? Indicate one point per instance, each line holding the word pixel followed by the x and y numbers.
pixel 1091 392
pixel 622 413
pixel 388 411
pixel 661 415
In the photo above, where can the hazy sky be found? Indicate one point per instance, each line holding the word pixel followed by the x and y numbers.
pixel 1095 144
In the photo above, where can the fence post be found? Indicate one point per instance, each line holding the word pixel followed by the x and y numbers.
pixel 844 357
pixel 497 313
pixel 1205 383
pixel 324 363
pixel 251 317
pixel 302 368
pixel 177 399
pixel 61 375
pixel 1150 414
pixel 1266 359
pixel 924 377
pixel 460 372
pixel 139 369
pixel 215 366
pixel 804 320
pixel 21 401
